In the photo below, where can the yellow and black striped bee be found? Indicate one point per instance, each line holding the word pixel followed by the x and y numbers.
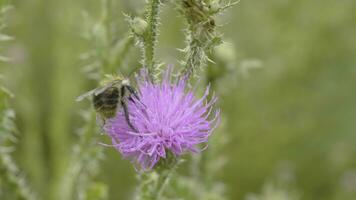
pixel 113 93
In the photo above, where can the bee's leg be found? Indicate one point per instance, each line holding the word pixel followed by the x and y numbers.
pixel 126 110
pixel 127 116
pixel 132 91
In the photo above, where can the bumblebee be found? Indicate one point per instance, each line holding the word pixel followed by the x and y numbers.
pixel 113 93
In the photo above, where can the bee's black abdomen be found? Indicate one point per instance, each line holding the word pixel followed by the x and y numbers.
pixel 106 102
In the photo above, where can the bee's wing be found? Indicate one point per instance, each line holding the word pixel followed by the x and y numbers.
pixel 85 95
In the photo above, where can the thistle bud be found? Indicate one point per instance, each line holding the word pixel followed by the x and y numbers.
pixel 139 26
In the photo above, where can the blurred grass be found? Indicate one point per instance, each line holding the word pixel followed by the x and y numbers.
pixel 300 107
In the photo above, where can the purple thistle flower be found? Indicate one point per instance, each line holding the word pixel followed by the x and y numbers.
pixel 167 118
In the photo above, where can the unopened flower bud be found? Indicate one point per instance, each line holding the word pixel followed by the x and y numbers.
pixel 139 26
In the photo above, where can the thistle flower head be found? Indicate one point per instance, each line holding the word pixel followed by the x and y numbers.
pixel 167 116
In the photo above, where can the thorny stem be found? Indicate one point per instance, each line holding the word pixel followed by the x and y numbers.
pixel 151 37
pixel 154 183
pixel 158 183
pixel 11 176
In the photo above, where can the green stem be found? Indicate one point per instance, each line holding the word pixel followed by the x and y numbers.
pixel 151 36
pixel 162 183
pixel 153 184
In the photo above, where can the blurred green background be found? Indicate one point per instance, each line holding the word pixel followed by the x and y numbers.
pixel 294 116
